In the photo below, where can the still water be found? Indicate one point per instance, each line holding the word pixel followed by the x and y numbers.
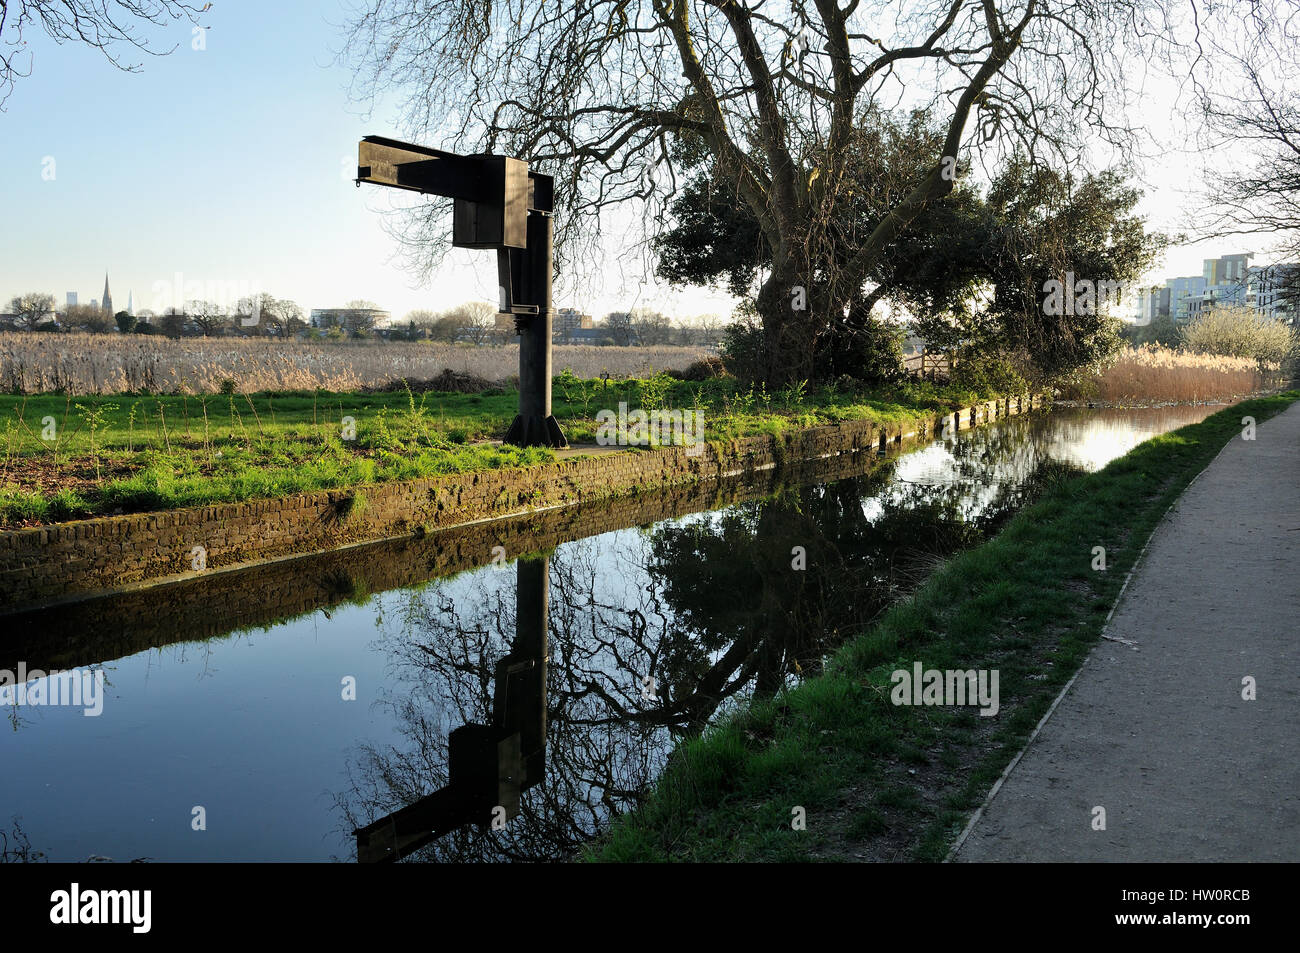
pixel 542 694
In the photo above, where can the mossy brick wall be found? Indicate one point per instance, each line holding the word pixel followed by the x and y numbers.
pixel 200 606
pixel 49 564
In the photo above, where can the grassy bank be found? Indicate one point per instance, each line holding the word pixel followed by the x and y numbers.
pixel 883 782
pixel 66 457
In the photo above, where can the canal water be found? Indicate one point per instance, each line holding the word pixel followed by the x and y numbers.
pixel 502 712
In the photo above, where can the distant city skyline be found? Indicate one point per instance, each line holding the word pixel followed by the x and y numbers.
pixel 177 190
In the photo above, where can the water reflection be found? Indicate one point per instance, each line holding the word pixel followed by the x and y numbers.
pixel 652 634
pixel 488 766
pixel 553 689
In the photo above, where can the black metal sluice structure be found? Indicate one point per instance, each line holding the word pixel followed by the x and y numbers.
pixel 498 203
pixel 488 766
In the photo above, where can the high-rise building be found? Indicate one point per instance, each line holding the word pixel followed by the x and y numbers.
pixel 108 298
pixel 1181 291
pixel 72 299
pixel 1225 283
pixel 1153 303
pixel 1274 291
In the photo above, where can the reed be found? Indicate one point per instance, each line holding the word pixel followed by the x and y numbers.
pixel 80 364
pixel 1154 373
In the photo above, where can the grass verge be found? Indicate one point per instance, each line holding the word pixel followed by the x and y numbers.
pixel 883 782
pixel 64 457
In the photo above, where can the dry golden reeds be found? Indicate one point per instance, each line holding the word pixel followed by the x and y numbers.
pixel 1154 373
pixel 32 363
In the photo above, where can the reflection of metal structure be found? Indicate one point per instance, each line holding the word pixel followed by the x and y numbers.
pixel 499 204
pixel 489 766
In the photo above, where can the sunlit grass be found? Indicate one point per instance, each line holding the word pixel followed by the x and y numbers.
pixel 66 457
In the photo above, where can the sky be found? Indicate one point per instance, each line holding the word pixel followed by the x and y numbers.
pixel 228 164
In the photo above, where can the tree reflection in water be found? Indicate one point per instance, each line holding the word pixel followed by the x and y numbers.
pixel 652 633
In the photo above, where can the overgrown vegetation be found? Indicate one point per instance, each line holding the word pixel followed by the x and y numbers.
pixel 35 363
pixel 887 782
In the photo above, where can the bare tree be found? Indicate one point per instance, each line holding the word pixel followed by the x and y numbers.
pixel 83 317
pixel 32 309
pixel 618 325
pixel 1249 97
pixel 652 327
pixel 210 318
pixel 110 26
pixel 282 317
pixel 270 316
pixel 621 99
pixel 420 317
pixel 475 320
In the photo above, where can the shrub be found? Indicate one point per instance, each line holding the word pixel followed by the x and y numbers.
pixel 706 368
pixel 987 376
pixel 742 348
pixel 1238 332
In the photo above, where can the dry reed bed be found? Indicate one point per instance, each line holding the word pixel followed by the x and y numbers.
pixel 1157 373
pixel 33 363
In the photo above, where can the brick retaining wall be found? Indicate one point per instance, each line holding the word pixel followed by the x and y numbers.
pixel 50 564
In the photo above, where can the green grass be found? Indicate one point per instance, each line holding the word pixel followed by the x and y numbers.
pixel 66 457
pixel 887 782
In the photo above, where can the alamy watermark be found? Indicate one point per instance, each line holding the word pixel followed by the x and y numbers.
pixel 75 688
pixel 1073 296
pixel 126 907
pixel 953 687
pixel 238 297
pixel 640 428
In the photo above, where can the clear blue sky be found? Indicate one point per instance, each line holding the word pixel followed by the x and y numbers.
pixel 231 164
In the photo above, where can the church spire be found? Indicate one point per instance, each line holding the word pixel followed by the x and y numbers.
pixel 107 302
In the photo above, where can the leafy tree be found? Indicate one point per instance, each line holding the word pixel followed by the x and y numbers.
pixel 1040 227
pixel 174 323
pixel 125 322
pixel 970 271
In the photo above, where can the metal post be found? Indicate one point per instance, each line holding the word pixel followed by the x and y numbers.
pixel 498 204
pixel 535 426
pixel 528 695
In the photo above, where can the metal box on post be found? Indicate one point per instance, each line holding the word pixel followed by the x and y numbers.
pixel 500 218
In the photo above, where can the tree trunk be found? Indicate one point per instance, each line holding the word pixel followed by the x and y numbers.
pixel 793 315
